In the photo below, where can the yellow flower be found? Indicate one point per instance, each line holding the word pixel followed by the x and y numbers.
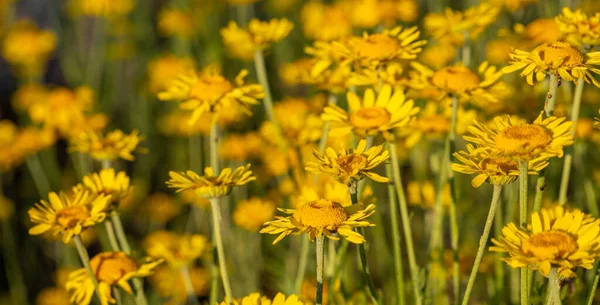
pixel 208 91
pixel 299 124
pixel 107 182
pixel 102 8
pixel 209 185
pixel 370 116
pixel 498 51
pixel 491 168
pixel 170 284
pixel 455 26
pixel 423 193
pixel 438 56
pixel 256 299
pixel 350 165
pixel 31 140
pixel 27 95
pixel 177 250
pixel 543 138
pixel 112 146
pixel 325 22
pixel 390 11
pixel 111 269
pixel 161 208
pixel 10 156
pixel 556 238
pixel 7 208
pixel 241 147
pixel 364 13
pixel 53 296
pixel 190 197
pixel 579 28
pixel 260 35
pixel 321 217
pixel 163 70
pixel 558 58
pixel 296 72
pixel 28 48
pixel 542 30
pixel 513 5
pixel 68 216
pixel 176 22
pixel 252 213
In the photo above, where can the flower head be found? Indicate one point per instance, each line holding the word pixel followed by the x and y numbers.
pixel 209 185
pixel 111 269
pixel 28 48
pixel 456 27
pixel 170 283
pixel 114 145
pixel 556 238
pixel 177 250
pixel 321 217
pixel 163 70
pixel 260 35
pixel 257 299
pixel 66 215
pixel 252 213
pixel 161 208
pixel 176 22
pixel 107 182
pixel 371 116
pixel 579 28
pixel 538 31
pixel 325 22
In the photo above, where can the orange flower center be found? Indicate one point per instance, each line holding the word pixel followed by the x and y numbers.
pixel 370 117
pixel 561 52
pixel 210 88
pixel 69 217
pixel 352 163
pixel 110 267
pixel 550 245
pixel 320 214
pixel 456 79
pixel 523 138
pixel 378 46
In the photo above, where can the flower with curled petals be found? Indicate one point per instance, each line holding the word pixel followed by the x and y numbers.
pixel 209 185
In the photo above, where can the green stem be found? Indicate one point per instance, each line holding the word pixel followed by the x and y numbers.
pixel 189 288
pixel 483 242
pixel 216 211
pixel 14 273
pixel 323 141
pixel 320 263
pixel 412 262
pixel 330 270
pixel 261 73
pixel 564 182
pixel 122 237
pixel 590 194
pixel 539 190
pixel 110 231
pixel 214 147
pixel 304 249
pixel 214 163
pixel 592 293
pixel 523 178
pixel 85 260
pixel 395 237
pixel 38 175
pixel 106 163
pixel 554 289
pixel 551 96
pixel 498 263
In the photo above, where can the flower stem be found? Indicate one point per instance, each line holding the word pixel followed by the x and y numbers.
pixel 14 272
pixel 592 294
pixel 110 231
pixel 114 217
pixel 38 175
pixel 261 73
pixel 395 237
pixel 320 263
pixel 554 289
pixel 332 99
pixel 564 182
pixel 539 190
pixel 412 262
pixel 523 177
pixel 214 146
pixel 85 260
pixel 483 242
pixel 551 96
pixel 304 248
pixel 189 288
pixel 216 211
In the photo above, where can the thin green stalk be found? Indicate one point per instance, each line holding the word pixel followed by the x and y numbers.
pixel 539 190
pixel 38 175
pixel 261 73
pixel 214 146
pixel 551 96
pixel 216 211
pixel 85 260
pixel 483 242
pixel 95 56
pixel 106 163
pixel 412 261
pixel 332 99
pixel 498 263
pixel 523 178
pixel 330 270
pixel 214 282
pixel 189 288
pixel 320 263
pixel 339 260
pixel 304 249
pixel 112 238
pixel 592 293
pixel 554 289
pixel 114 217
pixel 564 182
pixel 590 196
pixel 14 273
pixel 395 237
pixel 466 51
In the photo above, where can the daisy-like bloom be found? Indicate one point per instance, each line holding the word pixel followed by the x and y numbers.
pixel 299 123
pixel 543 138
pixel 114 145
pixel 163 70
pixel 372 115
pixel 170 284
pixel 252 213
pixel 256 299
pixel 177 250
pixel 66 215
pixel 555 238
pixel 350 165
pixel 28 48
pixel 260 35
pixel 579 28
pixel 321 217
pixel 161 208
pixel 111 269
pixel 558 58
pixel 323 22
pixel 452 26
pixel 209 185
pixel 107 182
pixel 494 169
pixel 241 147
pixel 176 22
pixel 102 8
pixel 209 91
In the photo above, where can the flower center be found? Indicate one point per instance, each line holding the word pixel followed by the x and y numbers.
pixel 71 216
pixel 110 267
pixel 210 88
pixel 352 163
pixel 523 138
pixel 550 245
pixel 321 213
pixel 502 163
pixel 370 117
pixel 456 79
pixel 560 51
pixel 378 46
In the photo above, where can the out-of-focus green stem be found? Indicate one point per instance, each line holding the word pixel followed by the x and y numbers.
pixel 304 248
pixel 499 264
pixel 320 263
pixel 216 211
pixel 554 289
pixel 14 273
pixel 592 293
pixel 395 237
pixel 114 217
pixel 551 96
pixel 539 190
pixel 523 178
pixel 261 73
pixel 564 182
pixel 189 288
pixel 112 238
pixel 85 260
pixel 332 99
pixel 38 175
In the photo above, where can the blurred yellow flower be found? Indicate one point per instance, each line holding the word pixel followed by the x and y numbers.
pixel 363 13
pixel 299 124
pixel 456 27
pixel 256 299
pixel 580 29
pixel 162 71
pixel 178 250
pixel 190 197
pixel 325 22
pixel 390 11
pixel 53 296
pixel 296 72
pixel 541 30
pixel 438 56
pixel 498 51
pixel 161 208
pixel 513 5
pixel 27 95
pixel 259 36
pixel 112 146
pixel 68 216
pixel 176 22
pixel 241 147
pixel 209 185
pixel 321 217
pixel 556 238
pixel 28 48
pixel 252 213
pixel 170 284
pixel 208 91
pixel 107 182
pixel 423 193
pixel 326 187
pixel 111 269
pixel 7 208
pixel 102 8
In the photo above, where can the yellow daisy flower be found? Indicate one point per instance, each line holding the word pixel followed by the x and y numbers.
pixel 28 48
pixel 111 269
pixel 299 124
pixel 208 91
pixel 252 213
pixel 176 22
pixel 579 28
pixel 321 217
pixel 178 250
pixel 209 185
pixel 260 35
pixel 325 22
pixel 102 8
pixel 556 238
pixel 452 26
pixel 541 30
pixel 256 299
pixel 350 165
pixel 160 208
pixel 170 284
pixel 163 70
pixel 68 215
pixel 559 58
pixel 491 168
pixel 543 138
pixel 114 145
pixel 107 182
pixel 372 115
